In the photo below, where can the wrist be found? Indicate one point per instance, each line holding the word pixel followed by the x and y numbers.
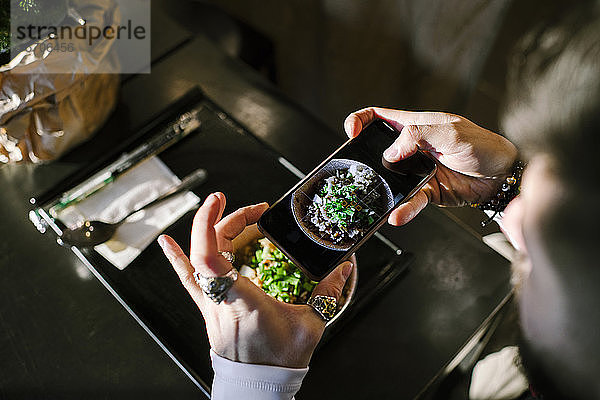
pixel 500 159
pixel 507 191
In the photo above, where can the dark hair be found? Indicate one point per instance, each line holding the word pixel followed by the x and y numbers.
pixel 554 87
pixel 554 90
pixel 554 108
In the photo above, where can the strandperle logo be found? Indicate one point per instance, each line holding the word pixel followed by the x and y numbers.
pixel 88 30
pixel 84 32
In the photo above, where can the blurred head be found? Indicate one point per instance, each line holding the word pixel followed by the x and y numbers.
pixel 554 118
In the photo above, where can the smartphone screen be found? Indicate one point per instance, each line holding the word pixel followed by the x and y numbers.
pixel 330 213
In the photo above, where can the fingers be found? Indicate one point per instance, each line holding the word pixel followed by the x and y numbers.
pixel 440 140
pixel 203 251
pixel 181 264
pixel 333 283
pixel 401 118
pixel 223 202
pixel 233 224
pixel 356 121
pixel 407 211
pixel 405 145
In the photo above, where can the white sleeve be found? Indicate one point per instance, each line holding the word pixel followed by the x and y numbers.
pixel 501 242
pixel 234 380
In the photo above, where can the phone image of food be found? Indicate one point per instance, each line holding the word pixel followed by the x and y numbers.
pixel 338 205
pixel 330 213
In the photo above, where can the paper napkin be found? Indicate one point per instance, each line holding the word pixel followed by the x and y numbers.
pixel 134 188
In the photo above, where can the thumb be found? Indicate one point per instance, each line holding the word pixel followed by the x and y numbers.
pixel 333 283
pixel 405 145
pixel 405 212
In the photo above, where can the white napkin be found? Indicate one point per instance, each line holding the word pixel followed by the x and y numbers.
pixel 134 188
pixel 497 377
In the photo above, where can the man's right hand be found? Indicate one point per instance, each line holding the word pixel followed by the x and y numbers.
pixel 472 161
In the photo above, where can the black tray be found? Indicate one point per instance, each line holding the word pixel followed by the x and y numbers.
pixel 247 171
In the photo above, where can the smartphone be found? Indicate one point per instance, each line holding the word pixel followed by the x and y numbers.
pixel 330 213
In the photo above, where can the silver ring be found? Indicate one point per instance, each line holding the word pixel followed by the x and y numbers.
pixel 325 306
pixel 229 256
pixel 216 287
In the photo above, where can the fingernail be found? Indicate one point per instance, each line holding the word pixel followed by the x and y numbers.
pixel 348 127
pixel 347 270
pixel 391 153
pixel 161 241
pixel 210 197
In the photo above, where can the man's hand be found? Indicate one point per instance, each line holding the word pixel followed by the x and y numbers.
pixel 249 326
pixel 472 161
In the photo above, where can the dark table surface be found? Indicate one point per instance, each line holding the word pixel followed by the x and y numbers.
pixel 62 334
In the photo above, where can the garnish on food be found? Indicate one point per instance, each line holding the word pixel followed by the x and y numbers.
pixel 345 204
pixel 271 270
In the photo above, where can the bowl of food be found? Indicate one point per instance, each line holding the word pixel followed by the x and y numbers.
pixel 265 265
pixel 337 207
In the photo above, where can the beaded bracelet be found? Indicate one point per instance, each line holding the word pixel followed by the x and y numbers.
pixel 509 190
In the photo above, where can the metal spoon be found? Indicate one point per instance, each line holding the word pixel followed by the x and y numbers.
pixel 92 233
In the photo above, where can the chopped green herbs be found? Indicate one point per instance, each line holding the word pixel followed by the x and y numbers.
pixel 272 271
pixel 346 204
